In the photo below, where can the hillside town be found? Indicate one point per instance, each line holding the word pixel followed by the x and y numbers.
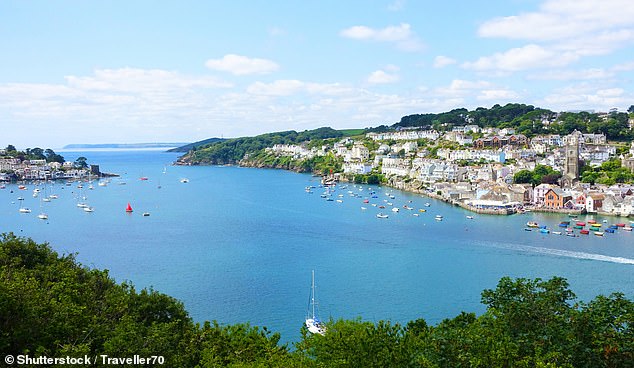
pixel 478 174
pixel 16 168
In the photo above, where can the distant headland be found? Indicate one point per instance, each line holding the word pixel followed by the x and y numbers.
pixel 122 145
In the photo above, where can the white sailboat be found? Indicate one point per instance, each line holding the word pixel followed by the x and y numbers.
pixel 313 324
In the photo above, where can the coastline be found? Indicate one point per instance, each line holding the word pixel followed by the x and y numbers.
pixel 415 187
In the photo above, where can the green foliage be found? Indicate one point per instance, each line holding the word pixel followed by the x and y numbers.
pixel 541 174
pixel 34 154
pixel 51 305
pixel 233 150
pixel 81 162
pixel 609 173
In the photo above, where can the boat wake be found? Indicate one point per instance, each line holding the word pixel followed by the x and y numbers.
pixel 564 253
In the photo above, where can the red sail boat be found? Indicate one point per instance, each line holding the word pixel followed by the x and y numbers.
pixel 129 208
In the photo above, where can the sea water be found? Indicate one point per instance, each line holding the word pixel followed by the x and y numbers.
pixel 238 245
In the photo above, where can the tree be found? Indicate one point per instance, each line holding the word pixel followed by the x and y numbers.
pixel 10 148
pixel 631 109
pixel 81 163
pixel 523 177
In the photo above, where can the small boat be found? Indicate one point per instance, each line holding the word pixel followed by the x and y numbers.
pixel 584 231
pixel 22 187
pixel 24 210
pixel 366 201
pixel 571 234
pixel 382 215
pixel 427 204
pixel 557 232
pixel 422 210
pixel 128 209
pixel 565 222
pixel 416 214
pixel 627 228
pixel 598 233
pixel 313 324
pixel 53 196
pixel 532 224
pixel 620 224
pixel 88 209
pixel 580 223
pixel 395 209
pixel 578 227
pixel 146 214
pixel 184 180
pixel 528 229
pixel 470 217
pixel 339 201
pixel 563 225
pixel 544 231
pixel 592 221
pixel 42 216
pixel 610 230
pixel 363 208
pixel 143 178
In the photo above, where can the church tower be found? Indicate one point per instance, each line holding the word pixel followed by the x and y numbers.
pixel 571 163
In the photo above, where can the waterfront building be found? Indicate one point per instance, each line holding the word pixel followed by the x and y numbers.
pixel 539 192
pixel 594 202
pixel 555 198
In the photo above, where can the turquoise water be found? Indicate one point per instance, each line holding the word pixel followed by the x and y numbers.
pixel 237 244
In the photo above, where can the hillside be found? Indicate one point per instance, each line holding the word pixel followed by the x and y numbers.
pixel 523 119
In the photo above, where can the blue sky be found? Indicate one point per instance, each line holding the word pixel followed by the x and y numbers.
pixel 144 71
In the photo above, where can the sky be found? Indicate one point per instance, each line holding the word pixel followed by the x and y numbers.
pixel 182 71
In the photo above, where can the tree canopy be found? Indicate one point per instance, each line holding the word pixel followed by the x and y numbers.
pixel 51 305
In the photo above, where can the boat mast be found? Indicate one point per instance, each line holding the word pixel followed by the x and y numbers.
pixel 313 299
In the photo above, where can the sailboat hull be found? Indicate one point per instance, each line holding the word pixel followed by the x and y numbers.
pixel 314 327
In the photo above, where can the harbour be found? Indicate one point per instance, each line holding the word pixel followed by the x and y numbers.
pixel 237 244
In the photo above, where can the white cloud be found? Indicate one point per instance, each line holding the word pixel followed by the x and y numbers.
pixel 242 65
pixel 466 90
pixel 401 35
pixel 560 32
pixel 133 79
pixel 381 77
pixel 562 19
pixel 565 75
pixel 277 88
pixel 522 58
pixel 498 95
pixel 442 61
pixel 585 95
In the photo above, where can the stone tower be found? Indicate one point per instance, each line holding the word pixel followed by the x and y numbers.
pixel 571 163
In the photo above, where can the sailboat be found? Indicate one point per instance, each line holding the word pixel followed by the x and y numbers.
pixel 129 208
pixel 42 215
pixel 313 324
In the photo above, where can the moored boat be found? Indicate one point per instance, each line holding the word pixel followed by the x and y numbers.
pixel 382 215
pixel 313 324
pixel 598 233
pixel 584 231
pixel 627 228
pixel 532 224
pixel 581 223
